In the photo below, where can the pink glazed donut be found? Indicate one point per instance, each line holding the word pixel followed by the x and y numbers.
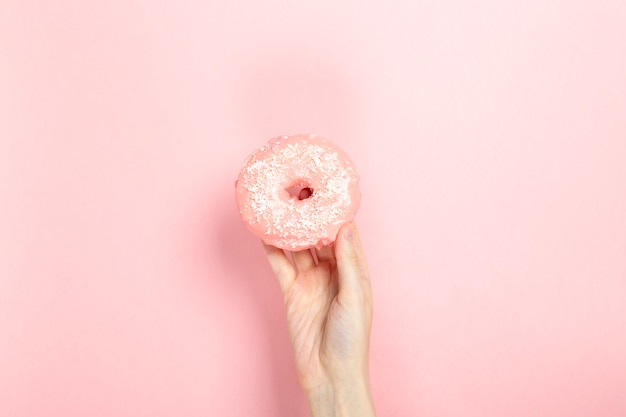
pixel 297 191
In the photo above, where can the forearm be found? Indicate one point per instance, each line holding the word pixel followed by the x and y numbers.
pixel 345 400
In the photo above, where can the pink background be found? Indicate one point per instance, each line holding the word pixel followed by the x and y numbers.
pixel 491 140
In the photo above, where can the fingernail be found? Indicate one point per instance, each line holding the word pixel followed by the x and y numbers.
pixel 347 233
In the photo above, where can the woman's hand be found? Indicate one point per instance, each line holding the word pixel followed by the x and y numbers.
pixel 329 314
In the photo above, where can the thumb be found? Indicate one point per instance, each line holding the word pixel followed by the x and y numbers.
pixel 351 264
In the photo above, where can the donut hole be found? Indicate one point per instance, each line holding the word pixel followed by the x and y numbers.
pixel 299 191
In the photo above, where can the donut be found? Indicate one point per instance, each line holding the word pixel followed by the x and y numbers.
pixel 297 191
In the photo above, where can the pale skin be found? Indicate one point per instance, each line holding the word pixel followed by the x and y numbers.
pixel 329 314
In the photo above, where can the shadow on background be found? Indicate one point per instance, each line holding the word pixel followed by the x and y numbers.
pixel 244 257
pixel 286 93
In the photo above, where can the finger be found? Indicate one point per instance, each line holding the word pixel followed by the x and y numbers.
pixel 326 254
pixel 283 269
pixel 353 274
pixel 303 259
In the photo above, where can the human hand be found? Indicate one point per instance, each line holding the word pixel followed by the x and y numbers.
pixel 329 315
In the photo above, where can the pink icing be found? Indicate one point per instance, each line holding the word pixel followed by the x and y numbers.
pixel 311 218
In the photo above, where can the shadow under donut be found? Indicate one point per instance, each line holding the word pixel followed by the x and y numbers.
pixel 245 260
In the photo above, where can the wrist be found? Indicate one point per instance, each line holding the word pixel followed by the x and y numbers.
pixel 341 399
